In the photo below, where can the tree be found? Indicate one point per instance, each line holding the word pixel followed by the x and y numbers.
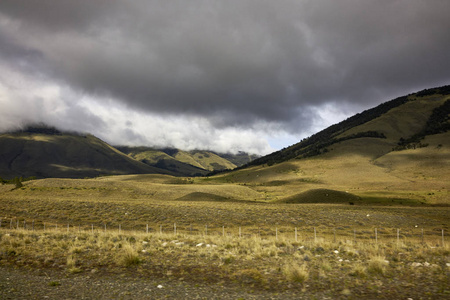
pixel 17 182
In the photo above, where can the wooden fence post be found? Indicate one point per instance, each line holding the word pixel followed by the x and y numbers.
pixel 315 235
pixel 422 236
pixel 296 234
pixel 398 237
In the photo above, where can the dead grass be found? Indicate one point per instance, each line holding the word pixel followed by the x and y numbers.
pixel 295 272
pixel 252 261
pixel 231 229
pixel 128 255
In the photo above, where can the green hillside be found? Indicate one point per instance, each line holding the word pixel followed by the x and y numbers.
pixel 160 159
pixel 44 152
pixel 396 153
pixel 187 163
pixel 399 122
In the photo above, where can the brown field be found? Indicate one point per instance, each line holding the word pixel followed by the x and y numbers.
pixel 342 225
pixel 234 230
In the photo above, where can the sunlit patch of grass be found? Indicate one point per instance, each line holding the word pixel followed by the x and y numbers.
pixel 295 272
pixel 72 264
pixel 249 260
pixel 377 265
pixel 128 256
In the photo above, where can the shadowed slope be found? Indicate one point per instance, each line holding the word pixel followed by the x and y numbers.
pixel 321 196
pixel 64 155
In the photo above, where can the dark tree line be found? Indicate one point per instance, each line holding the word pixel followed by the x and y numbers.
pixel 438 122
pixel 17 181
pixel 317 143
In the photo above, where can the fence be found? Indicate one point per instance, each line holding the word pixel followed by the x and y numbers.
pixel 435 236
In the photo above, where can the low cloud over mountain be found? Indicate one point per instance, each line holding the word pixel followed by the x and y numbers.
pixel 220 75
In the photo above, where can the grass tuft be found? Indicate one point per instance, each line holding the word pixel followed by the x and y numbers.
pixel 128 256
pixel 295 272
pixel 377 265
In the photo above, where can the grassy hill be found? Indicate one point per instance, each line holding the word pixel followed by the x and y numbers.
pixel 161 159
pixel 398 152
pixel 42 151
pixel 187 163
pixel 360 203
pixel 402 121
pixel 50 153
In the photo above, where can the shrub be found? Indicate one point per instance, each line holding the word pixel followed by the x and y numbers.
pixel 129 256
pixel 377 265
pixel 296 273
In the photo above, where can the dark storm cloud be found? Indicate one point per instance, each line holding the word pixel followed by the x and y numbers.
pixel 235 62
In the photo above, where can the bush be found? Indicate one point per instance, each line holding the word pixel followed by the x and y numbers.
pixel 377 265
pixel 296 273
pixel 18 182
pixel 129 256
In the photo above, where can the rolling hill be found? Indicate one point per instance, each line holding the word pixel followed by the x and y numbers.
pixel 400 123
pixel 397 152
pixel 187 163
pixel 42 151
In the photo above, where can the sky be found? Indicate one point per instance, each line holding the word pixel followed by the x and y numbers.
pixel 227 76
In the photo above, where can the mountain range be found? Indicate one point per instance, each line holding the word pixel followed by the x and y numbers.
pixel 405 136
pixel 42 151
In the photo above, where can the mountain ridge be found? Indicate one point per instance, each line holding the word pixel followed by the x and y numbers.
pixel 43 151
pixel 407 122
pixel 318 143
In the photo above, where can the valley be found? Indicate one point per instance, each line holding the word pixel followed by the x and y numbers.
pixel 359 210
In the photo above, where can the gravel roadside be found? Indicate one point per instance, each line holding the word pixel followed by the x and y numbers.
pixel 50 284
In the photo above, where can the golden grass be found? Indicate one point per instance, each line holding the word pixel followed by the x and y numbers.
pixel 402 121
pixel 252 261
pixel 233 228
pixel 295 272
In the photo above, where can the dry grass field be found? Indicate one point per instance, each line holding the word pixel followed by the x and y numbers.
pixel 240 229
pixel 313 268
pixel 358 221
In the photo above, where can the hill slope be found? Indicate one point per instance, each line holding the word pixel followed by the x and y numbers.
pixel 187 163
pixel 42 153
pixel 398 152
pixel 399 122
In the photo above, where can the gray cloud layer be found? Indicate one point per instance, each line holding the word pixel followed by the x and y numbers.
pixel 234 62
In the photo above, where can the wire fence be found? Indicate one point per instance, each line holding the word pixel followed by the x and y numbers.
pixel 429 236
